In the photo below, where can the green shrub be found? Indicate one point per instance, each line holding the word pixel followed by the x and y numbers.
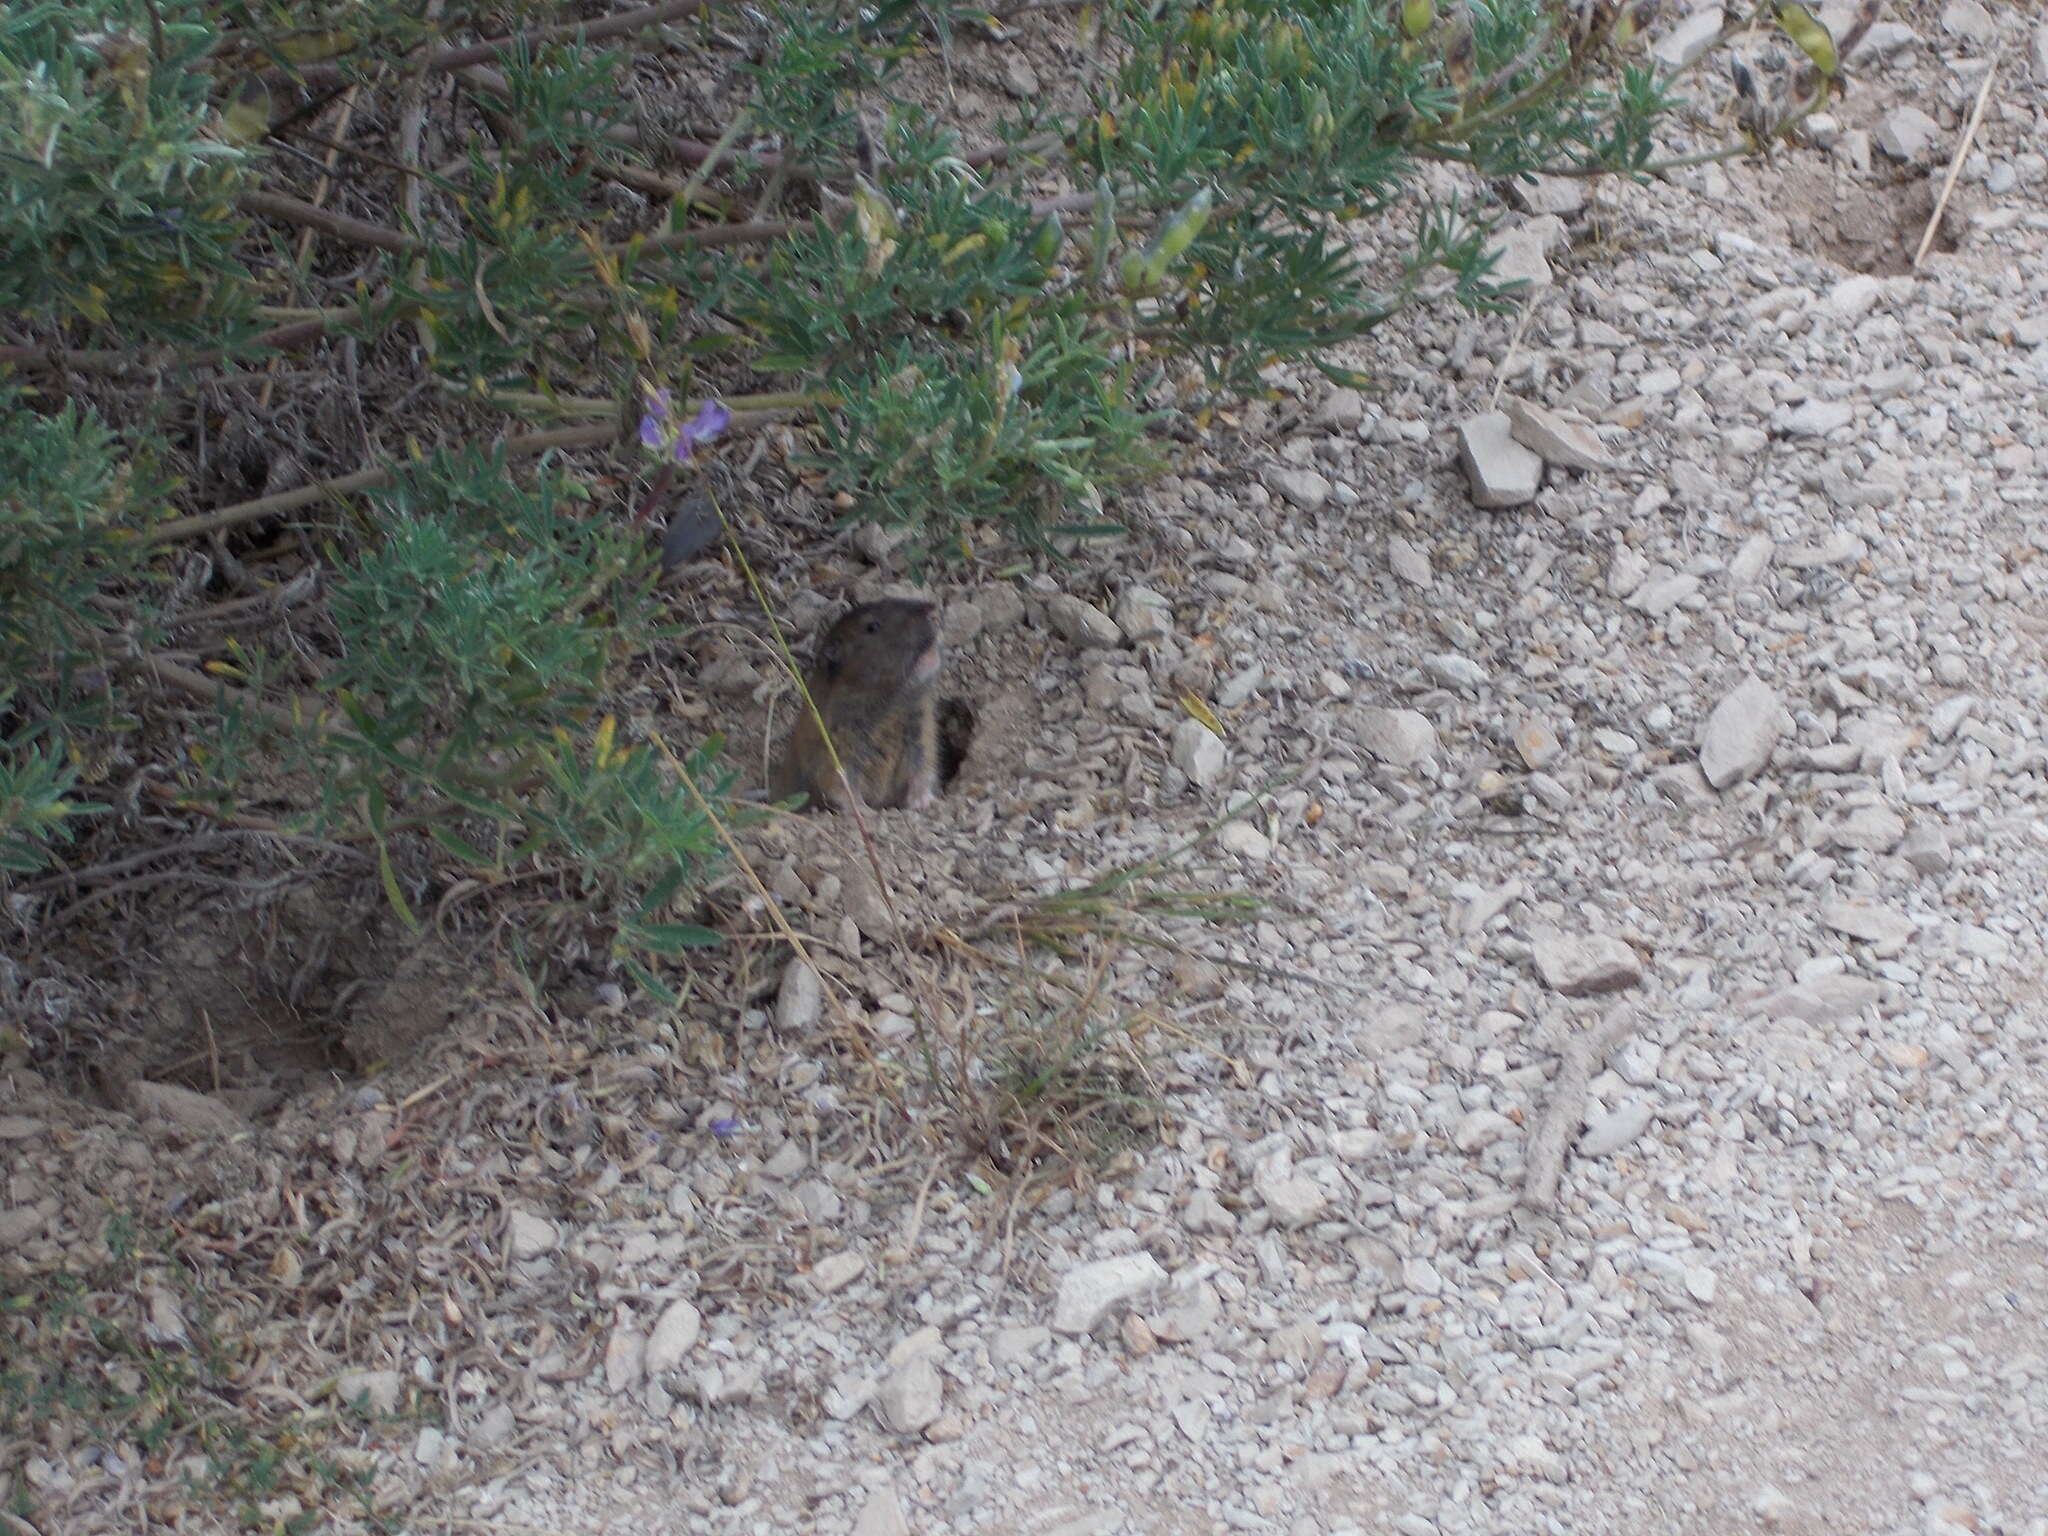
pixel 959 352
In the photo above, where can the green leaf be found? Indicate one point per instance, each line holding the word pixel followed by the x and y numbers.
pixel 672 938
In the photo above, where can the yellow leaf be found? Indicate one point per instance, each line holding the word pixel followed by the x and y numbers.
pixel 311 47
pixel 1200 711
pixel 1813 38
pixel 246 119
pixel 607 730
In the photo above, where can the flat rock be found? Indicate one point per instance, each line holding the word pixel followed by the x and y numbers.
pixel 1823 1001
pixel 1816 418
pixel 1144 616
pixel 1537 743
pixel 1740 735
pixel 1926 848
pixel 1590 965
pixel 1560 439
pixel 1688 37
pixel 1520 254
pixel 377 1391
pixel 799 997
pixel 1908 134
pixel 836 1271
pixel 1620 1126
pixel 1399 737
pixel 1198 752
pixel 531 1235
pixel 1082 623
pixel 1501 472
pixel 1886 929
pixel 1293 1200
pixel 1867 828
pixel 1342 409
pixel 1969 20
pixel 911 1395
pixel 625 1358
pixel 1303 488
pixel 882 1515
pixel 1408 561
pixel 1089 1293
pixel 675 1334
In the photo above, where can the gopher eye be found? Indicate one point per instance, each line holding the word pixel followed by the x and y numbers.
pixel 874 626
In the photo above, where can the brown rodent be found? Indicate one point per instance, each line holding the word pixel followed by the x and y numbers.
pixel 875 682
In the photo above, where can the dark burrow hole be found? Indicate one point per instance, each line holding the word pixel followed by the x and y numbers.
pixel 956 733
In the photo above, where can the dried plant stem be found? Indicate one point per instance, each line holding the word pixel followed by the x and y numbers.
pixel 1955 164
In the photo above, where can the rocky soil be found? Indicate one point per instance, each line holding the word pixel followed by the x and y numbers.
pixel 1637 1120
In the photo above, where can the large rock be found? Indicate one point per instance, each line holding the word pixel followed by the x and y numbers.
pixel 1091 1292
pixel 1502 472
pixel 1741 733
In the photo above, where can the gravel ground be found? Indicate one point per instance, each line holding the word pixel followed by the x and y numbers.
pixel 1662 1144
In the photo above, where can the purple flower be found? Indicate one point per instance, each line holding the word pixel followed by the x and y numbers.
pixel 711 420
pixel 725 1128
pixel 657 433
pixel 654 425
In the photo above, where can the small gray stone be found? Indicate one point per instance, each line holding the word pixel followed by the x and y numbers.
pixel 1616 1129
pixel 1090 1292
pixel 1448 669
pixel 1868 828
pixel 799 998
pixel 1480 1129
pixel 1013 1346
pixel 1408 561
pixel 1741 733
pixel 1823 1001
pixel 836 1271
pixel 1659 596
pixel 1853 297
pixel 1689 37
pixel 377 1391
pixel 1001 607
pixel 625 1358
pixel 1926 849
pixel 1967 19
pixel 1198 752
pixel 1520 254
pixel 1537 743
pixel 1501 472
pixel 882 1515
pixel 911 1396
pixel 1589 966
pixel 1083 624
pixel 675 1334
pixel 531 1235
pixel 431 1447
pixel 1143 615
pixel 495 1427
pixel 1293 1200
pixel 1816 418
pixel 1886 930
pixel 1908 134
pixel 1947 717
pixel 1398 737
pixel 1303 487
pixel 1559 195
pixel 1342 409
